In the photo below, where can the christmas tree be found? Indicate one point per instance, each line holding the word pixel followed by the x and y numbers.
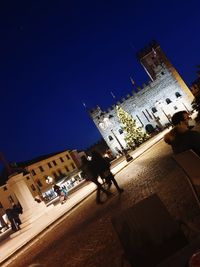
pixel 133 136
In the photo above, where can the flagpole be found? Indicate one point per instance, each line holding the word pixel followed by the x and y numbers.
pixel 133 83
pixel 84 105
pixel 113 96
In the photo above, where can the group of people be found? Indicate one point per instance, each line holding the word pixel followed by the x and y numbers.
pixel 97 167
pixel 181 137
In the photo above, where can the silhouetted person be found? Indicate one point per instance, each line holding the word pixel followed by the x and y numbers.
pixel 13 217
pixel 90 173
pixel 181 137
pixel 17 210
pixel 102 168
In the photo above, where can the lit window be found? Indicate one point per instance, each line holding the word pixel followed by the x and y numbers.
pixel 60 172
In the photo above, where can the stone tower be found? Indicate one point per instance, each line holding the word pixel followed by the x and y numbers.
pixel 151 56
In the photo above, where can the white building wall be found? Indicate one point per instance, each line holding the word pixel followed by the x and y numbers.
pixel 140 105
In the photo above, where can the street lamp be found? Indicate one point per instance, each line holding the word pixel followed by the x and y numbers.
pixel 105 123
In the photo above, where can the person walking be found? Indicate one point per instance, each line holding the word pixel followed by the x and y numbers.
pixel 89 173
pixel 102 168
pixel 61 193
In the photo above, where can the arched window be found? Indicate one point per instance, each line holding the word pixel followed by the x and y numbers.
pixel 110 138
pixel 168 101
pixel 177 94
pixel 154 110
pixel 120 131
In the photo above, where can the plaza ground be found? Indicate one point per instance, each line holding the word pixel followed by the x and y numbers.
pixel 86 237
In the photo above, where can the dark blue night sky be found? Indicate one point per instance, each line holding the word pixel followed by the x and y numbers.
pixel 54 55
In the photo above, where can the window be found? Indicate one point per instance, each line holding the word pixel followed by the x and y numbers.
pixel 54 174
pixel 110 138
pixel 162 73
pixel 49 164
pixel 73 166
pixel 27 178
pixel 39 183
pixel 61 159
pixel 154 110
pixel 33 172
pixel 168 101
pixel 177 94
pixel 10 199
pixel 120 131
pixel 175 107
pixel 54 163
pixel 41 168
pixel 1 206
pixel 66 168
pixel 5 188
pixel 59 171
pixel 33 187
pixel 67 156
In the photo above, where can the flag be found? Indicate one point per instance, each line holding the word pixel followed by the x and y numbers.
pixel 112 95
pixel 132 81
pixel 154 52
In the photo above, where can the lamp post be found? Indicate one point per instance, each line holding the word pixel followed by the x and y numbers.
pixel 103 125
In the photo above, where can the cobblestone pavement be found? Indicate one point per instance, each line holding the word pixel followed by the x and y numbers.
pixel 86 236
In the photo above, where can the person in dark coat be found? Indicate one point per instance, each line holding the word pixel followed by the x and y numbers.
pixel 89 173
pixel 102 168
pixel 12 217
pixel 181 137
pixel 17 210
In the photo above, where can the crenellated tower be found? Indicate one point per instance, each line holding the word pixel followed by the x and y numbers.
pixel 152 56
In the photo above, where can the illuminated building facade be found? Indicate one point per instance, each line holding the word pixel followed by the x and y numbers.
pixel 153 105
pixel 63 167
